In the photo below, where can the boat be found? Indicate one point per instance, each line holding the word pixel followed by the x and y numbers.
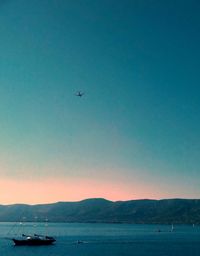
pixel 34 240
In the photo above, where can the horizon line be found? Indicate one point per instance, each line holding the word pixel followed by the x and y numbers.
pixel 97 198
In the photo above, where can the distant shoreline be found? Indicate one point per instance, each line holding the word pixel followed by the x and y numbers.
pixel 99 210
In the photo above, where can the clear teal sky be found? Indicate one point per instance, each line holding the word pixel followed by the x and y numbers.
pixel 136 129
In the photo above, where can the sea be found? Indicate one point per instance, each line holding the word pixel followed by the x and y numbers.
pixel 75 239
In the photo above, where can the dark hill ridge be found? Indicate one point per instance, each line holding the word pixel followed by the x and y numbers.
pixel 101 210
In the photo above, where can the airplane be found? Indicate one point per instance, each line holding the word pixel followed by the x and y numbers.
pixel 79 94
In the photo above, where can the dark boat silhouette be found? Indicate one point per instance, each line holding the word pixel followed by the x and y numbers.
pixel 34 240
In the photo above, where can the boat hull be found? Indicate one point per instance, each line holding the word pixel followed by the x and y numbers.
pixel 33 242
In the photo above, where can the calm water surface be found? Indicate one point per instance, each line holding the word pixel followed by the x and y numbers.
pixel 104 240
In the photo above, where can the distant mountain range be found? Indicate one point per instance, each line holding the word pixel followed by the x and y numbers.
pixel 99 210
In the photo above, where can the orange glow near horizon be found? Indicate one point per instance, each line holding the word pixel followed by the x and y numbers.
pixel 52 190
pixel 73 189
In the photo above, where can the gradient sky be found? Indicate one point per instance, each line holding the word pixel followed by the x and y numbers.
pixel 134 134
